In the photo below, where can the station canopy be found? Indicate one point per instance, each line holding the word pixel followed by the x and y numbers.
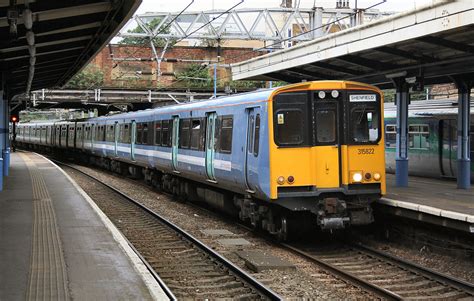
pixel 44 43
pixel 433 43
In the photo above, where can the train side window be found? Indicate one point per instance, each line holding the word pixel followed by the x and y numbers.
pixel 226 124
pixel 165 130
pixel 151 133
pixel 145 133
pixel 126 133
pixel 256 136
pixel 418 136
pixel 196 134
pixel 184 133
pixel 158 132
pixel 390 135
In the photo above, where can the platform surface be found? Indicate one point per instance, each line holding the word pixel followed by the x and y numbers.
pixel 54 246
pixel 432 196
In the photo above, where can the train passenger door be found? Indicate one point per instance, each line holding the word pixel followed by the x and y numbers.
pixel 326 121
pixel 252 148
pixel 133 136
pixel 448 147
pixel 210 145
pixel 174 143
pixel 116 137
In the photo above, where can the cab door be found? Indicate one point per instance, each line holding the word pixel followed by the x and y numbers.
pixel 174 143
pixel 252 149
pixel 133 137
pixel 210 145
pixel 327 139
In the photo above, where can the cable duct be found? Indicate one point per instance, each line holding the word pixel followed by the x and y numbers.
pixel 30 39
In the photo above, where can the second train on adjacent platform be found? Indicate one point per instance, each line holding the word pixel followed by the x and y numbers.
pixel 314 148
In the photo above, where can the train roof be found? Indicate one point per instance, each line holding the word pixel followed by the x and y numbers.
pixel 427 108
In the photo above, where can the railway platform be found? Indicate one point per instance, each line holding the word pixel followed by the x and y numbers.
pixel 55 244
pixel 432 201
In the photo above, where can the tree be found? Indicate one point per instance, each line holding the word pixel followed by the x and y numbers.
pixel 158 42
pixel 90 77
pixel 195 76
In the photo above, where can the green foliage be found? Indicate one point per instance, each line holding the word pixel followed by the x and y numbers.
pixel 90 77
pixel 195 76
pixel 158 42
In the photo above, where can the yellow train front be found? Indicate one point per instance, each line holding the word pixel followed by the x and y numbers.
pixel 326 152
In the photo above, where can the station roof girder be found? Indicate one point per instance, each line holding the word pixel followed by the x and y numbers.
pixel 434 40
pixel 67 34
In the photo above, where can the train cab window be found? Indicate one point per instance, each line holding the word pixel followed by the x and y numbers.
pixel 325 126
pixel 364 123
pixel 184 133
pixel 418 136
pixel 290 119
pixel 390 135
pixel 224 127
pixel 256 136
pixel 158 132
pixel 196 134
pixel 165 132
pixel 289 127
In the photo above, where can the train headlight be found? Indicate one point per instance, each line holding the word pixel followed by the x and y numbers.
pixel 357 177
pixel 321 94
pixel 334 93
pixel 377 176
pixel 281 180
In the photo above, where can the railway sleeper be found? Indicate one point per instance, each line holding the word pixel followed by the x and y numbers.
pixel 401 287
pixel 432 291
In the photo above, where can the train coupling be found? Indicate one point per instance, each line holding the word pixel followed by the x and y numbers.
pixel 334 223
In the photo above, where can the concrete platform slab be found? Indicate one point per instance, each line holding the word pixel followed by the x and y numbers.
pixel 434 200
pixel 233 242
pixel 259 261
pixel 55 245
pixel 217 232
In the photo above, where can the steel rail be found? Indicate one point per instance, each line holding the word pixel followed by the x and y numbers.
pixel 361 283
pixel 267 292
pixel 437 276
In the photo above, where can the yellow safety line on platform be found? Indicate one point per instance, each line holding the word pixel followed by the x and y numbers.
pixel 48 277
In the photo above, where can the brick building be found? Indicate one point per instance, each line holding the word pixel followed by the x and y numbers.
pixel 131 66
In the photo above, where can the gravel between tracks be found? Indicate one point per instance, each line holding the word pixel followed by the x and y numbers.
pixel 306 282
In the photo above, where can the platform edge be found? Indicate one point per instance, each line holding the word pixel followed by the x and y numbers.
pixel 153 286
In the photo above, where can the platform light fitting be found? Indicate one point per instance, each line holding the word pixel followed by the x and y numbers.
pixel 396 74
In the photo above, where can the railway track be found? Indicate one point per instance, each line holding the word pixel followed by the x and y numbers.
pixel 381 274
pixel 385 275
pixel 185 266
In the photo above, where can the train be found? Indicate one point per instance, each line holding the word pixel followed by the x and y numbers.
pixel 432 138
pixel 310 152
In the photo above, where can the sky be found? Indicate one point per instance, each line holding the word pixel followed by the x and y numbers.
pixel 199 5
